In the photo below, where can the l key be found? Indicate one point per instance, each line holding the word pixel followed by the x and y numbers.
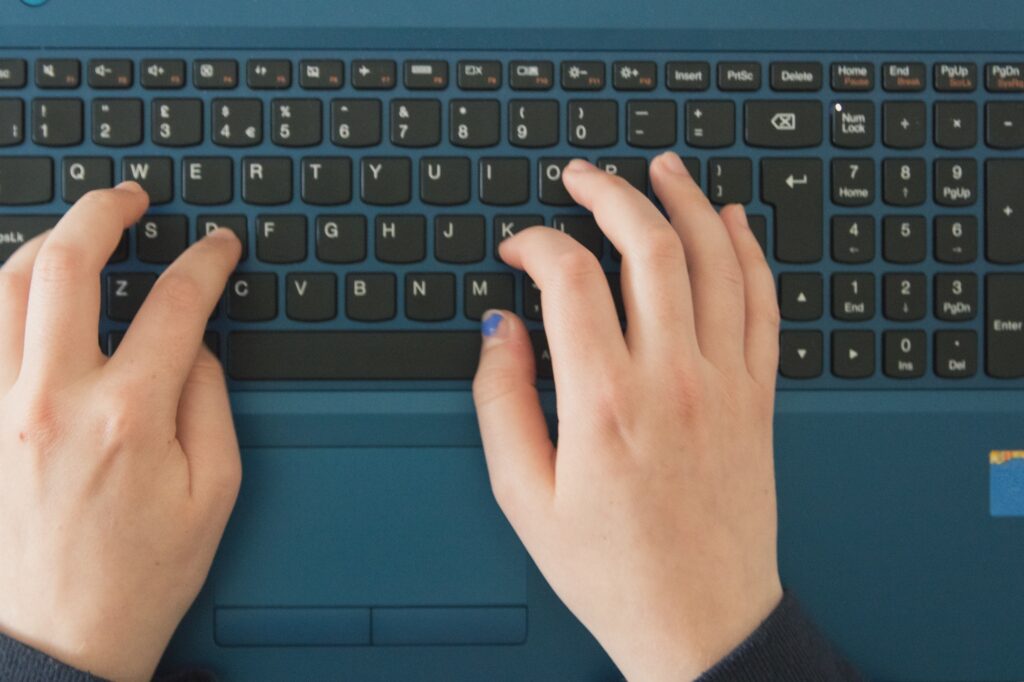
pixel 793 187
pixel 1004 210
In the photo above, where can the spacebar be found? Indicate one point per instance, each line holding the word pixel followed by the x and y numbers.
pixel 335 355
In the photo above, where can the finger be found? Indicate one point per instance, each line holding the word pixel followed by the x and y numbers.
pixel 761 335
pixel 655 287
pixel 15 277
pixel 714 271
pixel 163 340
pixel 582 327
pixel 517 445
pixel 62 323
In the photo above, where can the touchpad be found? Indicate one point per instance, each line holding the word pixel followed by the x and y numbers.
pixel 368 527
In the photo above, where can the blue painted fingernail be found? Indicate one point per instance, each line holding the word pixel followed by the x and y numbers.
pixel 491 324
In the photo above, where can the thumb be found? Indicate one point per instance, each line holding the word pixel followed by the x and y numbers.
pixel 517 445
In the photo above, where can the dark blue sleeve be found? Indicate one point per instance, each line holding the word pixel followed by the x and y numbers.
pixel 786 646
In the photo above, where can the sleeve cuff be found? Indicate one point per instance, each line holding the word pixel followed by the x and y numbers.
pixel 21 663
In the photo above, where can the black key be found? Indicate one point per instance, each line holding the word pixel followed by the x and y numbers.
pixel 341 238
pixel 355 122
pixel 956 182
pixel 326 180
pixel 267 181
pixel 903 76
pixel 126 292
pixel 281 238
pixel 956 239
pixel 903 124
pixel 84 173
pixel 906 354
pixel 759 226
pixel 177 122
pixel 533 122
pixel 730 180
pixel 206 180
pixel 739 76
pixel 386 181
pixel 237 122
pixel 651 123
pixel 853 181
pixel 631 169
pixel 531 75
pixel 415 122
pixel 401 238
pixel 370 297
pixel 25 180
pixel 311 296
pixel 252 297
pixel 531 300
pixel 268 74
pixel 154 173
pixel 956 296
pixel 582 75
pixel 215 74
pixel 903 182
pixel 430 297
pixel 1004 322
pixel 853 76
pixel 444 181
pixel 634 75
pixel 459 238
pixel 161 238
pixel 853 354
pixel 904 239
pixel 790 76
pixel 593 123
pixel 479 75
pixel 956 353
pixel 956 124
pixel 474 122
pixel 15 230
pixel 205 224
pixel 853 296
pixel 117 122
pixel 688 76
pixel 162 74
pixel 373 74
pixel 109 73
pixel 800 354
pixel 12 73
pixel 426 74
pixel 507 225
pixel 800 296
pixel 321 74
pixel 1004 77
pixel 551 190
pixel 793 187
pixel 955 77
pixel 1004 125
pixel 58 73
pixel 121 250
pixel 710 124
pixel 57 122
pixel 853 124
pixel 582 228
pixel 853 239
pixel 296 122
pixel 905 296
pixel 504 181
pixel 1004 210
pixel 484 291
pixel 12 122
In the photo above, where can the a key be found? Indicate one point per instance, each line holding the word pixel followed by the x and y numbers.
pixel 634 75
pixel 504 181
pixel 487 290
pixel 903 76
pixel 58 73
pixel 853 296
pixel 415 122
pixel 355 122
pixel 593 123
pixel 215 74
pixel 853 124
pixel 733 76
pixel 853 181
pixel 759 226
pixel 904 296
pixel 326 180
pixel 474 123
pixel 904 239
pixel 531 75
pixel 82 174
pixel 311 296
pixel 444 181
pixel 426 74
pixel 793 187
pixel 533 123
pixel 956 239
pixel 154 173
pixel 479 74
pixel 956 296
pixel 177 122
pixel 905 354
pixel 796 76
pixel 956 353
pixel 552 191
pixel 651 123
pixel 25 180
pixel 205 224
pixel 730 180
pixel 1004 77
pixel 903 124
pixel 162 74
pixel 281 238
pixel 955 77
pixel 710 124
pixel 781 124
pixel 267 181
pixel 386 181
pixel 800 296
pixel 1004 125
pixel 341 238
pixel 370 297
pixel 903 182
pixel 800 354
pixel 321 74
pixel 12 126
pixel 117 122
pixel 956 124
pixel 459 238
pixel 582 75
pixel 853 76
pixel 430 297
pixel 15 230
pixel 956 182
pixel 57 122
pixel 373 74
pixel 237 122
pixel 1004 325
pixel 853 239
pixel 252 297
pixel 295 122
pixel 161 238
pixel 206 180
pixel 268 74
pixel 1004 211
pixel 853 354
pixel 401 238
pixel 126 292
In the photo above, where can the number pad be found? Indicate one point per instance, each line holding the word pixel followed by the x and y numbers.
pixel 905 297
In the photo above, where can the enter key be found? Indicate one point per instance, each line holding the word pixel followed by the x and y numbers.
pixel 1004 325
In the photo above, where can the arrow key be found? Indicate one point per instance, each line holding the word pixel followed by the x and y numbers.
pixel 800 296
pixel 800 354
pixel 853 354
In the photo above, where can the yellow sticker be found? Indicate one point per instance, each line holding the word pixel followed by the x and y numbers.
pixel 1004 456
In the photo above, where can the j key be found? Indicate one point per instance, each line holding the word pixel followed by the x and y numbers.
pixel 853 354
pixel 252 297
pixel 401 238
pixel 215 74
pixel 117 122
pixel 311 296
pixel 177 122
pixel 507 225
pixel 426 75
pixel 205 224
pixel 1004 125
pixel 355 122
pixel 903 124
pixel 109 73
pixel 956 296
pixel 634 75
pixel 82 174
pixel 430 297
pixel 789 76
pixel 58 73
pixel 267 181
pixel 533 75
pixel 552 191
pixel 793 187
pixel 687 76
pixel 853 296
pixel 479 75
pixel 444 181
pixel 162 74
pixel 1005 77
pixel 906 354
pixel 1004 324
pixel 237 122
pixel 853 124
pixel 651 124
pixel 800 296
pixel 206 180
pixel 295 122
pixel 593 123
pixel 729 181
pixel 373 74
pixel 905 296
pixel 474 123
pixel 903 182
pixel 484 291
pixel 800 354
pixel 321 74
pixel 782 125
pixel 459 238
pixel 12 73
pixel 853 239
pixel 268 74
pixel 956 124
pixel 415 122
pixel 904 239
pixel 582 75
pixel 710 124
pixel 370 297
pixel 853 76
pixel 504 181
pixel 1004 210
pixel 956 354
pixel 533 123
pixel 57 122
pixel 903 76
pixel 15 230
pixel 154 173
pixel 631 169
pixel 956 239
pixel 161 238
pixel 958 77
pixel 326 181
pixel 853 182
pixel 25 180
pixel 385 181
pixel 281 238
pixel 341 238
pixel 956 182
pixel 739 76
pixel 126 292
pixel 582 228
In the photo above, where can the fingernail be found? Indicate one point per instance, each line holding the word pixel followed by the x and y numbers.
pixel 491 327
pixel 580 166
pixel 223 233
pixel 130 185
pixel 673 163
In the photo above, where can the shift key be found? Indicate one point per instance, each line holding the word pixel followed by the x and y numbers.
pixel 1004 325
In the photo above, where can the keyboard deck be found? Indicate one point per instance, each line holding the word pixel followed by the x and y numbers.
pixel 371 190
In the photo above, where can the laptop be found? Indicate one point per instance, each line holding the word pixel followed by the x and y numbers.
pixel 372 155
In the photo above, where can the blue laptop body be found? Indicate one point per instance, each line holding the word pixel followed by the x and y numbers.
pixel 366 544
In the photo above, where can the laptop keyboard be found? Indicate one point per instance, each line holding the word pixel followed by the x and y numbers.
pixel 371 191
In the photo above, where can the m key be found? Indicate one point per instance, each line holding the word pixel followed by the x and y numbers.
pixel 793 187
